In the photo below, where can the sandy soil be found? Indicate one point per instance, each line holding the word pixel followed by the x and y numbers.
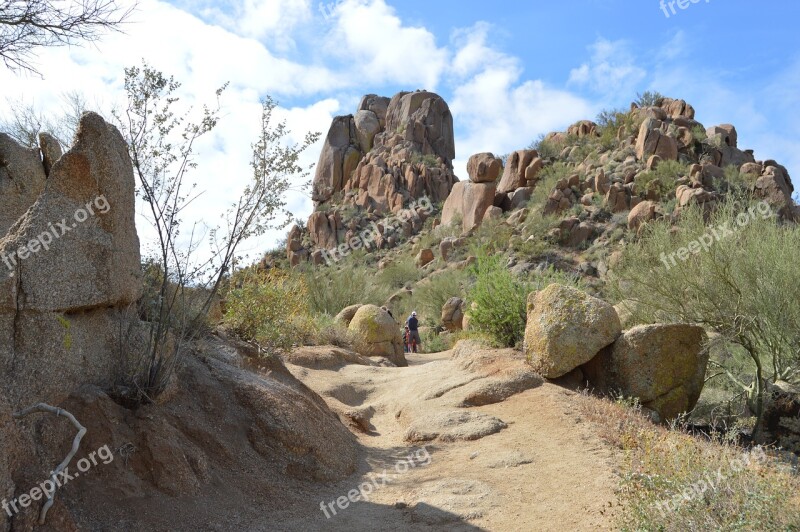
pixel 545 471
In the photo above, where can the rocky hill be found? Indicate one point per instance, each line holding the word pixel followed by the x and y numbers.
pixel 297 396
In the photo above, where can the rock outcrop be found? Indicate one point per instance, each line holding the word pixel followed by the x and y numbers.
pixel 664 366
pixel 72 266
pixel 374 163
pixel 453 314
pixel 22 180
pixel 567 328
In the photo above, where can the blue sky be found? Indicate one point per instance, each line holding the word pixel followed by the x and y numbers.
pixel 509 70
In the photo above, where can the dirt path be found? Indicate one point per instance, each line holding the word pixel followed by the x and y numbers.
pixel 545 471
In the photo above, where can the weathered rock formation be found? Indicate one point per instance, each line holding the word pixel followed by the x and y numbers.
pixel 469 200
pixel 376 162
pixel 71 265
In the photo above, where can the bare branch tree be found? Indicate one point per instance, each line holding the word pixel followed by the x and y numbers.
pixel 24 121
pixel 161 140
pixel 26 25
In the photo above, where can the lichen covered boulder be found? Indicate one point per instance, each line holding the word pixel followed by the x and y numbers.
pixel 377 334
pixel 567 328
pixel 663 365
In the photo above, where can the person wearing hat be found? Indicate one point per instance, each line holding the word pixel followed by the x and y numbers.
pixel 413 329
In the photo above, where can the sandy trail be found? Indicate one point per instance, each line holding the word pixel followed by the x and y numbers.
pixel 545 471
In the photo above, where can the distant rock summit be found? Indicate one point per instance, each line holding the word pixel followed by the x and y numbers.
pixel 374 163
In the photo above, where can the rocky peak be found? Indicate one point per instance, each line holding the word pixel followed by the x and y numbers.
pixel 390 153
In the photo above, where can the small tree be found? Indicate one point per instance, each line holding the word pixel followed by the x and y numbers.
pixel 26 25
pixel 161 140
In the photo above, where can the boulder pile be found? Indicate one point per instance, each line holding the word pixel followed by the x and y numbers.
pixel 570 332
pixel 389 154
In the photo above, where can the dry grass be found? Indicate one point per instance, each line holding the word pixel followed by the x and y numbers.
pixel 672 481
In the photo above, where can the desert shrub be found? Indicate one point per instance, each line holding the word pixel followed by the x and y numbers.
pixel 500 301
pixel 532 241
pixel 431 294
pixel 736 275
pixel 649 98
pixel 661 179
pixel 669 467
pixel 610 121
pixel 734 182
pixel 326 331
pixel 491 236
pixel 269 309
pixel 428 160
pixel 435 343
pixel 399 273
pixel 500 298
pixel 332 289
pixel 699 133
pixel 548 178
pixel 547 148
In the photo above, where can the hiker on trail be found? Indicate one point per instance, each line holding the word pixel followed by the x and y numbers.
pixel 413 329
pixel 406 340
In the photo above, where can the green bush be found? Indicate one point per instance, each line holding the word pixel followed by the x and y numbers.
pixel 500 298
pixel 500 301
pixel 649 98
pixel 332 289
pixel 548 148
pixel 661 180
pixel 399 273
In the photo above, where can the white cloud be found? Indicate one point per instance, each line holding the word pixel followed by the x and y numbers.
pixel 610 71
pixel 372 40
pixel 497 110
pixel 271 21
pixel 473 52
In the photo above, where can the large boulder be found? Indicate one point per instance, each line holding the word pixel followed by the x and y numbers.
pixel 566 328
pixel 517 173
pixel 663 365
pixel 775 187
pixel 453 314
pixel 780 422
pixel 377 104
pixel 377 334
pixel 345 316
pixel 484 168
pixel 75 268
pixel 641 214
pixel 367 126
pixel 424 119
pixel 469 201
pixel 653 141
pixel 340 154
